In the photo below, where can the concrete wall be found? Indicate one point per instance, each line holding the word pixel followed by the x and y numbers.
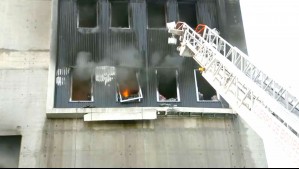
pixel 166 142
pixel 25 27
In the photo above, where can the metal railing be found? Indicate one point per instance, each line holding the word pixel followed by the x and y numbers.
pixel 268 107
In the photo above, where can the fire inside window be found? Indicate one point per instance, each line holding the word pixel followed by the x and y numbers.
pixel 167 85
pixel 187 13
pixel 81 88
pixel 119 14
pixel 204 91
pixel 156 14
pixel 128 86
pixel 87 13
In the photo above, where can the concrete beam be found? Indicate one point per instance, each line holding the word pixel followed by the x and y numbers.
pixel 124 113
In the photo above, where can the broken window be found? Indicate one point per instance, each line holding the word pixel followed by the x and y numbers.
pixel 128 87
pixel 87 11
pixel 156 14
pixel 81 87
pixel 204 91
pixel 187 13
pixel 167 85
pixel 119 14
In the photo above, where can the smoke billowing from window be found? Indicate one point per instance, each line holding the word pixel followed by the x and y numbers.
pixel 84 67
pixel 128 61
pixel 128 57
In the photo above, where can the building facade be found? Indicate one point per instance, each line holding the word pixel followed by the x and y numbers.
pixel 137 46
pixel 109 49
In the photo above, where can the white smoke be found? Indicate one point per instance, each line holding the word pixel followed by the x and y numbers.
pixel 128 57
pixel 84 68
pixel 127 60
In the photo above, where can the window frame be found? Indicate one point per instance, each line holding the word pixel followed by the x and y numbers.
pixel 71 90
pixel 78 17
pixel 177 86
pixel 197 89
pixel 110 14
pixel 187 2
pixel 136 99
pixel 165 14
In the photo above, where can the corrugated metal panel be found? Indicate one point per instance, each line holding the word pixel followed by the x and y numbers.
pixel 230 23
pixel 207 13
pixel 113 46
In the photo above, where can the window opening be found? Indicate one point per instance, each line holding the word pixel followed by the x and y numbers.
pixel 82 78
pixel 187 13
pixel 128 86
pixel 204 91
pixel 156 14
pixel 10 150
pixel 167 85
pixel 119 14
pixel 81 88
pixel 87 11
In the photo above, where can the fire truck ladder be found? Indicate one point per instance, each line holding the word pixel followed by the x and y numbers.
pixel 266 106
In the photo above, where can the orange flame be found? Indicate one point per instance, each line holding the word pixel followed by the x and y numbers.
pixel 126 93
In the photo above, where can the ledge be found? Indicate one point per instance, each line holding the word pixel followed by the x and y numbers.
pixel 131 113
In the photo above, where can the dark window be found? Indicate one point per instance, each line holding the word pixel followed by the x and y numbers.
pixel 128 87
pixel 156 15
pixel 10 151
pixel 187 13
pixel 87 13
pixel 119 14
pixel 81 87
pixel 167 85
pixel 204 90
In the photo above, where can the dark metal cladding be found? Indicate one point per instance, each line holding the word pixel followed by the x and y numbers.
pixel 140 47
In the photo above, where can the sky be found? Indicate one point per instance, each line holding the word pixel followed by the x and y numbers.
pixel 272 36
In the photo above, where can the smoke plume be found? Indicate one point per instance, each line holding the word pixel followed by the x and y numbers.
pixel 128 61
pixel 84 68
pixel 128 57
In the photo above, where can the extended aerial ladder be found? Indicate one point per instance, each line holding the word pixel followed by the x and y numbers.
pixel 265 105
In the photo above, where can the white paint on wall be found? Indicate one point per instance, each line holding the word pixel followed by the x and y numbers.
pixel 61 75
pixel 105 74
